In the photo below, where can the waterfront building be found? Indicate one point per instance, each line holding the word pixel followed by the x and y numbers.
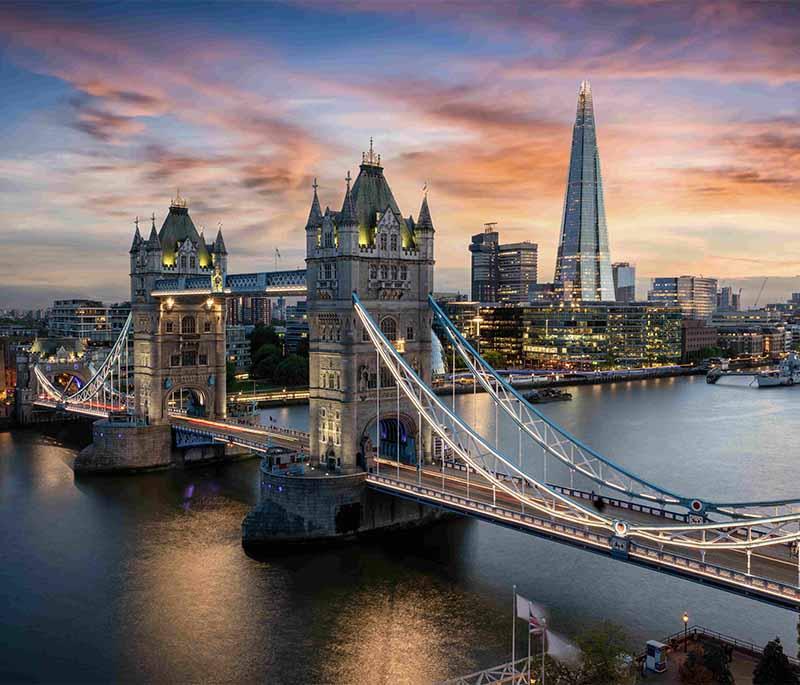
pixel 624 275
pixel 248 311
pixel 583 263
pixel 572 334
pixel 89 320
pixel 696 336
pixel 296 336
pixel 237 346
pixel 695 295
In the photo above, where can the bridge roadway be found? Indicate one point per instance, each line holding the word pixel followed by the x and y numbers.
pixel 773 575
pixel 256 437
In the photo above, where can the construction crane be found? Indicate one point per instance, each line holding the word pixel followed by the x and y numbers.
pixel 755 304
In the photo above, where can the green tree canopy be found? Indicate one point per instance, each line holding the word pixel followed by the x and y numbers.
pixel 774 666
pixel 292 371
pixel 263 335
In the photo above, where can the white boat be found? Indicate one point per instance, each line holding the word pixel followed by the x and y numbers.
pixel 787 373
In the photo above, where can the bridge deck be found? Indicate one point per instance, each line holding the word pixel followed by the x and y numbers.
pixel 773 575
pixel 255 437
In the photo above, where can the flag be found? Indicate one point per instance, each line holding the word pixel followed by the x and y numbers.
pixel 533 614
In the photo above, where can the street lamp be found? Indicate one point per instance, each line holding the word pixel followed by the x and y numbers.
pixel 685 631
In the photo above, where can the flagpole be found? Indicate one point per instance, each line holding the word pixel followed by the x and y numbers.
pixel 529 652
pixel 544 646
pixel 513 628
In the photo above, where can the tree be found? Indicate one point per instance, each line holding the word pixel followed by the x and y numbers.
pixel 292 371
pixel 264 361
pixel 706 664
pixel 494 359
pixel 604 650
pixel 230 374
pixel 774 666
pixel 263 335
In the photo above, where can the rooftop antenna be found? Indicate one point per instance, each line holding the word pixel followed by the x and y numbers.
pixel 489 226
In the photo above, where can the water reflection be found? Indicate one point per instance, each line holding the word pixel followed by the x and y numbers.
pixel 123 578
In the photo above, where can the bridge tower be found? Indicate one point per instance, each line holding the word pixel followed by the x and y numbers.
pixel 369 247
pixel 179 338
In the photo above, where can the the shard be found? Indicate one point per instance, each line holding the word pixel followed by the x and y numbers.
pixel 583 265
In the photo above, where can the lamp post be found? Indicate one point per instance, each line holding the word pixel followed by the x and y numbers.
pixel 685 631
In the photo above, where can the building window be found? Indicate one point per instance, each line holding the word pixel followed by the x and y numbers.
pixel 373 272
pixel 389 328
pixel 409 333
pixel 188 326
pixel 383 241
pixel 188 358
pixel 169 326
pixel 175 360
pixel 394 242
pixel 384 272
pixel 183 261
pixel 403 273
pixel 202 359
pixel 192 262
pixel 394 273
pixel 328 272
pixel 207 327
pixel 364 335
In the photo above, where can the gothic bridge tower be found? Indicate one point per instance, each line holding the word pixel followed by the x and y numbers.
pixel 179 340
pixel 369 247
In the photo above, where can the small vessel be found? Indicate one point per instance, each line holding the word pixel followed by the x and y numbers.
pixel 547 395
pixel 787 373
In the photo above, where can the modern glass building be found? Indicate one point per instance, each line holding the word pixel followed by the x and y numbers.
pixel 624 281
pixel 583 264
pixel 695 295
pixel 502 273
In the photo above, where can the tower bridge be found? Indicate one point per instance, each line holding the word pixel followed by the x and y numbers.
pixel 383 450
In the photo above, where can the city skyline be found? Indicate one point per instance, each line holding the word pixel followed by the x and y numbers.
pixel 107 118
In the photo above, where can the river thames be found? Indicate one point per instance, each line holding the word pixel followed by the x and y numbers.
pixel 144 578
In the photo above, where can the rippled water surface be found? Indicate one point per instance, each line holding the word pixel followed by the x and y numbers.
pixel 143 577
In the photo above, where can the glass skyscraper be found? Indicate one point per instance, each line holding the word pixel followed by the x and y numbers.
pixel 583 265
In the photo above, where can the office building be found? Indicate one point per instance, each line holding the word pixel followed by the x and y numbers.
pixel 694 295
pixel 583 263
pixel 89 320
pixel 624 281
pixel 502 272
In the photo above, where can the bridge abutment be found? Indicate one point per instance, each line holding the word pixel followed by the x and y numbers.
pixel 320 508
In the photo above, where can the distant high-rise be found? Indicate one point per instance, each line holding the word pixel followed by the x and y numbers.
pixel 695 295
pixel 484 249
pixel 624 281
pixel 583 264
pixel 502 273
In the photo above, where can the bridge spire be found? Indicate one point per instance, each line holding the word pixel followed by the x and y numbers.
pixel 315 214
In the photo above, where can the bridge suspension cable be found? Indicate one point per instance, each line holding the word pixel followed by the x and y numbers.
pixel 107 390
pixel 498 470
pixel 579 458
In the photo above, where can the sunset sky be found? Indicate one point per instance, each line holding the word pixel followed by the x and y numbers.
pixel 106 109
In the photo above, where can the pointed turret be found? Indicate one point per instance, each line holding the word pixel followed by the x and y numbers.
pixel 153 242
pixel 347 217
pixel 315 215
pixel 219 243
pixel 424 221
pixel 137 238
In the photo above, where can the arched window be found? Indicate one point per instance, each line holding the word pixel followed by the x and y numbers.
pixel 389 328
pixel 188 326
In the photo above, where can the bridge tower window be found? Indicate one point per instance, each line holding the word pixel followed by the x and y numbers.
pixel 169 326
pixel 207 327
pixel 389 328
pixel 188 325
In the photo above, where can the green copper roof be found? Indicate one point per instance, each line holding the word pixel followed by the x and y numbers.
pixel 178 226
pixel 371 194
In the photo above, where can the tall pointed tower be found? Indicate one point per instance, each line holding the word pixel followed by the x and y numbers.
pixel 368 247
pixel 583 265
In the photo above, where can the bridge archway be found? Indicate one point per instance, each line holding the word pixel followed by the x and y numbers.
pixel 405 432
pixel 186 399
